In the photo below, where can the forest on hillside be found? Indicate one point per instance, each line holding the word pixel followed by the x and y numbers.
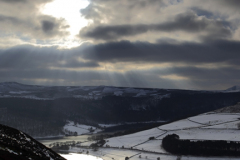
pixel 174 145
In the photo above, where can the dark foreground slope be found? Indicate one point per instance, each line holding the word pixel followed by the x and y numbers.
pixel 15 145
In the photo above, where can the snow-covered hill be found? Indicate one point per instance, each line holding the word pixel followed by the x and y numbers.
pixel 230 109
pixel 13 89
pixel 78 129
pixel 213 126
pixel 147 144
pixel 233 89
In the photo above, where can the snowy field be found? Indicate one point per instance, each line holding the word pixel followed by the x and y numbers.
pixel 120 154
pixel 179 125
pixel 215 118
pixel 133 139
pixel 209 134
pixel 231 125
pixel 186 129
pixel 210 126
pixel 153 146
pixel 109 125
pixel 79 128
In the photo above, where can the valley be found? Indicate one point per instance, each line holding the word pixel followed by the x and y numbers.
pixel 43 111
pixel 148 143
pixel 117 122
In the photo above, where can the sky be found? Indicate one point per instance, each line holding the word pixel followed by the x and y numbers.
pixel 182 44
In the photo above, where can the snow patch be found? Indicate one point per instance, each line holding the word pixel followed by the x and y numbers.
pixel 233 89
pixel 118 93
pixel 110 89
pixel 19 92
pixel 79 129
pixel 214 118
pixel 141 93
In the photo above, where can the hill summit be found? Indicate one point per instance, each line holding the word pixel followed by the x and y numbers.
pixel 235 88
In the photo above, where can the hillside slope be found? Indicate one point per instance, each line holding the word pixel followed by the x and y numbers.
pixel 230 109
pixel 233 89
pixel 16 145
pixel 148 144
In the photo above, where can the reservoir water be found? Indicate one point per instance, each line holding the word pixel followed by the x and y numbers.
pixel 71 156
pixel 82 138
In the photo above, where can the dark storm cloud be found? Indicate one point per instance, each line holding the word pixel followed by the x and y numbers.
pixel 188 22
pixel 62 77
pixel 52 27
pixel 89 55
pixel 201 78
pixel 9 19
pixel 73 63
pixel 232 3
pixel 212 52
pixel 30 58
pixel 47 26
pixel 210 57
pixel 196 73
pixel 28 64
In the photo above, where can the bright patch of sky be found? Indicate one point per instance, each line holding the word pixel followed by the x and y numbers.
pixel 70 11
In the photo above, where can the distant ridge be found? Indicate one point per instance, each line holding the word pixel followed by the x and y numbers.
pixel 230 109
pixel 235 88
pixel 29 107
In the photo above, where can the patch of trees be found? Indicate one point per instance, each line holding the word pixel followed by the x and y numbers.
pixel 63 146
pixel 174 145
pixel 99 143
pixel 70 133
pixel 60 144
